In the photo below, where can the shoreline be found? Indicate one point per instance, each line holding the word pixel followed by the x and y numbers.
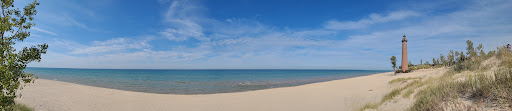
pixel 195 82
pixel 340 94
pixel 321 81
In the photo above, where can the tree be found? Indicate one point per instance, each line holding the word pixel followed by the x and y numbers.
pixel 14 27
pixel 421 61
pixel 491 53
pixel 450 58
pixel 457 55
pixel 482 53
pixel 393 62
pixel 410 64
pixel 437 62
pixel 426 62
pixel 480 48
pixel 471 51
pixel 443 61
pixel 462 57
pixel 434 61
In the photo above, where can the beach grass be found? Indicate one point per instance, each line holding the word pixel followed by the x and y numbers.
pixel 475 86
pixel 370 106
pixel 402 79
pixel 424 66
pixel 392 94
pixel 408 93
pixel 22 107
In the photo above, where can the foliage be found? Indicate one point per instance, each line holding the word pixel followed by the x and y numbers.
pixel 438 62
pixel 491 53
pixel 443 61
pixel 480 48
pixel 434 61
pixel 470 50
pixel 393 62
pixel 400 71
pixel 14 27
pixel 451 58
pixel 473 62
pixel 461 58
pixel 427 66
pixel 505 56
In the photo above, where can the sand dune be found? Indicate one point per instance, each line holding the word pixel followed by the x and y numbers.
pixel 337 95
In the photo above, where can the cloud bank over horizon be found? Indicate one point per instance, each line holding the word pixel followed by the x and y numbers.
pixel 187 34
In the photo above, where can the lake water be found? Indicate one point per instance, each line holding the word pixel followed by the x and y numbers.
pixel 193 81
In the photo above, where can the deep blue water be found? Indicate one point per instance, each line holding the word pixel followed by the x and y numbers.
pixel 193 81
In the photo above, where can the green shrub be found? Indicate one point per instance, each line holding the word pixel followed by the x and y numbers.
pixel 400 71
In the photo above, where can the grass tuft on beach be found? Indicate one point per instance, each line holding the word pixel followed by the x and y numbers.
pixel 402 79
pixel 22 107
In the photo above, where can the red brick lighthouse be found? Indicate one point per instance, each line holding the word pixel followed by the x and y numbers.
pixel 405 66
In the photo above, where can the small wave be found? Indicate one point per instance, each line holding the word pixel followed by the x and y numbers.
pixel 246 83
pixel 181 82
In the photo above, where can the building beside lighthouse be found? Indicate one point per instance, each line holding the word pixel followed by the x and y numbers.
pixel 405 65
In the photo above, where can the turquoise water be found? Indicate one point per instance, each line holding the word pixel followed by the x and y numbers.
pixel 193 81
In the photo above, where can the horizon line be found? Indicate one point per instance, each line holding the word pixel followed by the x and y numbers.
pixel 209 69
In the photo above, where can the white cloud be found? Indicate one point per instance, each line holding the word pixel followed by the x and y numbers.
pixel 183 17
pixel 79 24
pixel 115 45
pixel 183 33
pixel 372 19
pixel 63 19
pixel 44 31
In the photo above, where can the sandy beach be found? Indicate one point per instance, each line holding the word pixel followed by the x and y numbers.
pixel 336 95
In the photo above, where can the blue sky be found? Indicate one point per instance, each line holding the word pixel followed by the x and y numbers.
pixel 260 34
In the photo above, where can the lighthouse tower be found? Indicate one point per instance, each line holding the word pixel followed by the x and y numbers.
pixel 405 65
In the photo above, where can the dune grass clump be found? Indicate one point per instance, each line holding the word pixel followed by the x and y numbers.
pixel 426 66
pixel 402 79
pixel 370 106
pixel 408 93
pixel 392 94
pixel 22 107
